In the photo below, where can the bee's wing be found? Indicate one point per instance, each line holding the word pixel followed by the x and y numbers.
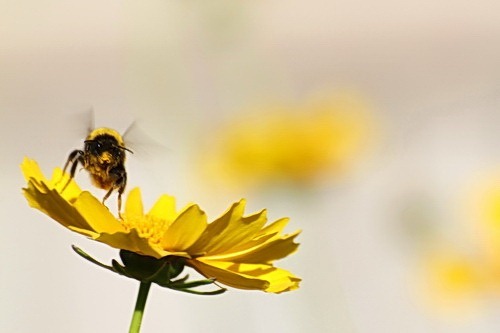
pixel 129 132
pixel 76 126
pixel 140 142
pixel 81 123
pixel 90 119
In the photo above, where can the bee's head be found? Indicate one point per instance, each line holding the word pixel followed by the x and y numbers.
pixel 106 148
pixel 105 139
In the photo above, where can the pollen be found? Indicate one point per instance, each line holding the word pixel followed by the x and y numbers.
pixel 149 227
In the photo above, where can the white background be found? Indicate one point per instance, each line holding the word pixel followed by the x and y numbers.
pixel 181 68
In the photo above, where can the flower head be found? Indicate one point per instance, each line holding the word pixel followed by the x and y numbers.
pixel 292 144
pixel 235 250
pixel 468 274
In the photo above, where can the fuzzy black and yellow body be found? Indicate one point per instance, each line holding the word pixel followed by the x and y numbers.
pixel 103 156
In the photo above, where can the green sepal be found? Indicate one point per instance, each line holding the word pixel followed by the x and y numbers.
pixel 92 260
pixel 183 284
pixel 160 271
pixel 204 293
pixel 149 269
pixel 120 269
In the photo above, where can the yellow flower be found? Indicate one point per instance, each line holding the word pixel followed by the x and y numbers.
pixel 297 144
pixel 465 275
pixel 236 250
pixel 454 281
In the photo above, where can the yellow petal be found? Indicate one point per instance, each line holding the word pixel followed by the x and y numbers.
pixel 280 280
pixel 275 227
pixel 133 206
pixel 74 209
pixel 215 238
pixel 241 232
pixel 130 241
pixel 31 169
pixel 264 253
pixel 52 204
pixel 228 277
pixel 164 209
pixel 185 230
pixel 265 235
pixel 32 172
pixel 62 182
pixel 248 276
pixel 96 214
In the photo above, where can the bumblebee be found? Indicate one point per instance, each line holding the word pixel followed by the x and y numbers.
pixel 103 156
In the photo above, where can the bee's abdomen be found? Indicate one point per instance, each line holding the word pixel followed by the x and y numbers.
pixel 105 171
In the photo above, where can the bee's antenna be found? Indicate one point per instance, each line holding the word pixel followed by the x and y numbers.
pixel 125 148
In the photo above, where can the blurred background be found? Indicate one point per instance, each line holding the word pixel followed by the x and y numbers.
pixel 374 126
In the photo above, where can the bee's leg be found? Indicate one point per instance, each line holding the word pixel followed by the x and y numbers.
pixel 74 158
pixel 119 199
pixel 121 189
pixel 122 183
pixel 107 195
pixel 120 204
pixel 119 184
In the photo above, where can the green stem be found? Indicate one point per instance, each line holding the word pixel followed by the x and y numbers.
pixel 142 296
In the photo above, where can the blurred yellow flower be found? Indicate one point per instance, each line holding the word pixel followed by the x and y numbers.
pixel 292 144
pixel 236 250
pixel 486 210
pixel 454 280
pixel 459 278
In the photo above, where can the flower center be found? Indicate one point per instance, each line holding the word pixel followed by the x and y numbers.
pixel 148 227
